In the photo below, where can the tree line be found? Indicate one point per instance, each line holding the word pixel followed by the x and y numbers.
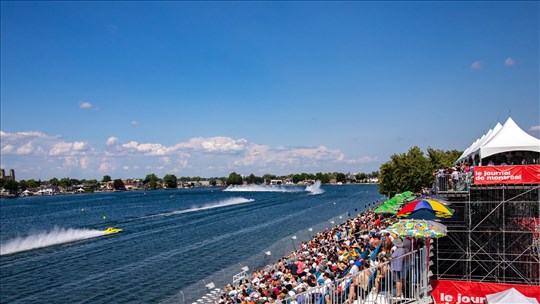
pixel 170 181
pixel 411 171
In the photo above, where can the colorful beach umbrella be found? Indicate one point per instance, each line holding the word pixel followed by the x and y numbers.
pixel 418 229
pixel 394 204
pixel 425 207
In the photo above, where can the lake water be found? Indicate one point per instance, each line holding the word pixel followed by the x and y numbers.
pixel 53 249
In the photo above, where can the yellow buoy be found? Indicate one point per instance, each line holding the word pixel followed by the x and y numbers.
pixel 104 217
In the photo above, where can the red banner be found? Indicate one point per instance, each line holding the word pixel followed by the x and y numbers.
pixel 462 292
pixel 522 174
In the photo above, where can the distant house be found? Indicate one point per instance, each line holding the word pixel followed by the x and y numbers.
pixel 133 184
pixel 373 180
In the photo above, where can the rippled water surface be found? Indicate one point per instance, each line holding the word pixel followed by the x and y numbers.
pixel 53 249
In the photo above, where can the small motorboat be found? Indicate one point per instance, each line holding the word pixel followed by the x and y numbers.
pixel 112 230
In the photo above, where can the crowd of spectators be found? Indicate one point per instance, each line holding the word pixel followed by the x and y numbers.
pixel 350 250
pixel 454 178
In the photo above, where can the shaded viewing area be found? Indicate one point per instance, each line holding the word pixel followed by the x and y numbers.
pixel 494 233
pixel 493 236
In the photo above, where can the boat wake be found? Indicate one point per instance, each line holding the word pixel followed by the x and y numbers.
pixel 313 189
pixel 262 188
pixel 223 203
pixel 56 236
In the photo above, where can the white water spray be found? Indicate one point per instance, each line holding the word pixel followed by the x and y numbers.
pixel 56 236
pixel 262 188
pixel 315 188
pixel 223 203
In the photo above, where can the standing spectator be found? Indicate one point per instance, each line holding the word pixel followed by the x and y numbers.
pixel 455 177
pixel 396 263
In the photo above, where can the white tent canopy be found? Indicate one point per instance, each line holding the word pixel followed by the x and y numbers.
pixel 510 138
pixel 502 138
pixel 509 296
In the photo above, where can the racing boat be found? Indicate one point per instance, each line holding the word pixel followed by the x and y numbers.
pixel 112 230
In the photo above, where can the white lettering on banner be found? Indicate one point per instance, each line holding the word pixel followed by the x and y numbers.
pixel 511 177
pixel 461 299
pixel 499 173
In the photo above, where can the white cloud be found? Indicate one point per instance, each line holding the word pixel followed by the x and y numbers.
pixel 85 105
pixel 361 160
pixel 212 156
pixel 218 144
pixel 26 143
pixel 509 61
pixel 147 149
pixel 534 129
pixel 69 148
pixel 476 66
pixel 106 167
pixel 135 123
pixel 7 149
pixel 25 149
pixel 111 141
pixel 282 156
pixel 84 162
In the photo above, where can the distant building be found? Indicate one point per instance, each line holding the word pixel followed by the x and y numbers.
pixel 11 175
pixel 276 182
pixel 133 184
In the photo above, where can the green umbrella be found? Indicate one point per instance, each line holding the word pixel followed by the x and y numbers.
pixel 393 204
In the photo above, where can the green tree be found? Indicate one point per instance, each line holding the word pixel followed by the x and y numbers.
pixel 253 179
pixel 442 159
pixel 32 183
pixel 150 177
pixel 11 185
pixel 118 184
pixel 268 177
pixel 54 181
pixel 360 177
pixel 170 181
pixel 405 172
pixel 213 182
pixel 340 177
pixel 106 179
pixel 323 177
pixel 23 185
pixel 234 179
pixel 65 182
pixel 151 181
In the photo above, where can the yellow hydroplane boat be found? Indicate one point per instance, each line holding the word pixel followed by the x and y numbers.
pixel 112 230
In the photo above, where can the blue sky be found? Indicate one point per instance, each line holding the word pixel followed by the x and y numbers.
pixel 207 88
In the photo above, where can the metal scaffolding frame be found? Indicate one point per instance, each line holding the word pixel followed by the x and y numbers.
pixel 494 236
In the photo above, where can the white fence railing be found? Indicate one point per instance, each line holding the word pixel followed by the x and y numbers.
pixel 378 284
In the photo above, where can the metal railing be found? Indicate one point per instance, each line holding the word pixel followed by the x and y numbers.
pixel 446 182
pixel 378 284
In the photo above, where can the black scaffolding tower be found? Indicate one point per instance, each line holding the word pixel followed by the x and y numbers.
pixel 493 236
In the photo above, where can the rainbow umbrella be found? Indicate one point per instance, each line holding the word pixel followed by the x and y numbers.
pixel 418 229
pixel 424 208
